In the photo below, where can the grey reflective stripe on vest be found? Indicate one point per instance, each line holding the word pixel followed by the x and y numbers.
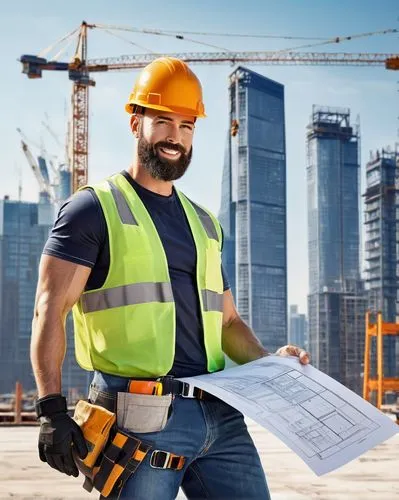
pixel 207 222
pixel 124 211
pixel 212 301
pixel 137 293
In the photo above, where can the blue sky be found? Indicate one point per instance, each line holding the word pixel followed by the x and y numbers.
pixel 372 93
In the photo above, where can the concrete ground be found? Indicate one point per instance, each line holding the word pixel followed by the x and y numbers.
pixel 375 475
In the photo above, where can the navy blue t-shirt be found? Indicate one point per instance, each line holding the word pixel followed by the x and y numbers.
pixel 80 235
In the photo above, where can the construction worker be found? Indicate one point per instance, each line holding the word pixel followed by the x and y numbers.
pixel 140 264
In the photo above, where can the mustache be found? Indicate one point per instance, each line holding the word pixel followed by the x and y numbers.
pixel 168 145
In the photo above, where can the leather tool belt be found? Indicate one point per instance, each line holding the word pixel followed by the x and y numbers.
pixel 168 385
pixel 113 455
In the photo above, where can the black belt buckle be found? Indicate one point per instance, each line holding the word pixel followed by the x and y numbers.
pixel 168 384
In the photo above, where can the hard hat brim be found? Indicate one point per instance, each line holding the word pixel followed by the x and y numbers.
pixel 158 107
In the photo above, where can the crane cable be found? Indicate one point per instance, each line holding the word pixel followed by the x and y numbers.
pixel 340 39
pixel 245 35
pixel 44 52
pixel 160 33
pixel 179 36
pixel 325 41
pixel 63 49
pixel 200 33
pixel 110 32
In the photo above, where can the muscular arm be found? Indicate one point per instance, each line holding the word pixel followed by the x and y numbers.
pixel 238 340
pixel 241 344
pixel 59 287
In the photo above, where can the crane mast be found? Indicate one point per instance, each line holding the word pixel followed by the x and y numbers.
pixel 79 73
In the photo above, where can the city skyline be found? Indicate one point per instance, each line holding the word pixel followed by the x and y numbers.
pixel 370 92
pixel 24 228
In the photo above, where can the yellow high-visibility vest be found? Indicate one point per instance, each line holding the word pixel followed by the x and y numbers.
pixel 127 327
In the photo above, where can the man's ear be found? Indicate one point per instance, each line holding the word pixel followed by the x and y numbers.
pixel 135 124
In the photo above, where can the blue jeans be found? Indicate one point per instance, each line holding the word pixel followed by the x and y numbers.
pixel 221 459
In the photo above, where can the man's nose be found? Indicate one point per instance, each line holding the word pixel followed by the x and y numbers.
pixel 173 135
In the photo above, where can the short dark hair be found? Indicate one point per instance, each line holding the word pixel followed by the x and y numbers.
pixel 138 110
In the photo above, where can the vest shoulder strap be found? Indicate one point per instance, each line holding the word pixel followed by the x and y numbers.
pixel 209 221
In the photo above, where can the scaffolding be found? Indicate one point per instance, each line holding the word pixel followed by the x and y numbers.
pixel 331 122
pixel 380 384
pixel 381 221
pixel 353 306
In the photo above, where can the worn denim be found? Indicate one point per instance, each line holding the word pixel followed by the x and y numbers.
pixel 221 459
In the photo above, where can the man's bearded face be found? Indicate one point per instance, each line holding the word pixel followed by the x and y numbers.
pixel 158 158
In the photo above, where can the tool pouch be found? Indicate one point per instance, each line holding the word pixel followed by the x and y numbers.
pixel 113 455
pixel 139 413
pixel 96 423
pixel 120 459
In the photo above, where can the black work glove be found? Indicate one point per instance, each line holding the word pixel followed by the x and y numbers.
pixel 59 435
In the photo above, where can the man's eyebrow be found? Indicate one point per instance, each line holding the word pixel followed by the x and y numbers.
pixel 160 117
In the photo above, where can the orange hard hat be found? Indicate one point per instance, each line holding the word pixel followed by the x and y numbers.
pixel 168 84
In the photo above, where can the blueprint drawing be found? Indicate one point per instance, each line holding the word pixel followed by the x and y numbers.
pixel 322 421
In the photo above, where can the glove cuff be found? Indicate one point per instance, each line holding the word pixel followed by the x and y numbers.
pixel 50 405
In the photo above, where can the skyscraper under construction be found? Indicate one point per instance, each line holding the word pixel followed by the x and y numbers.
pixel 382 236
pixel 336 302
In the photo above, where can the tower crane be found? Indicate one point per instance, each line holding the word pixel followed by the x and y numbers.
pixel 44 183
pixel 64 147
pixel 44 157
pixel 60 164
pixel 80 67
pixel 47 126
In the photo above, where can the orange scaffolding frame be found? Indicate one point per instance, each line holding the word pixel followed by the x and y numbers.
pixel 380 384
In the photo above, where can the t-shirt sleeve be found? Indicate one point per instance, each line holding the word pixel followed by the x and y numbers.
pixel 79 230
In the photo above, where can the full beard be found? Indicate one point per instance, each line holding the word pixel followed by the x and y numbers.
pixel 162 168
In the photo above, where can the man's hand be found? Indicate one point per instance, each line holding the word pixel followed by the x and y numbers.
pixel 293 350
pixel 59 436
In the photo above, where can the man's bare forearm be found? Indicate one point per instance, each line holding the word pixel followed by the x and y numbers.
pixel 240 343
pixel 47 349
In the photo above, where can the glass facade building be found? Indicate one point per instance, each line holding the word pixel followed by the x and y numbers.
pixel 64 186
pixel 24 229
pixel 23 232
pixel 381 245
pixel 333 200
pixel 297 327
pixel 333 180
pixel 253 205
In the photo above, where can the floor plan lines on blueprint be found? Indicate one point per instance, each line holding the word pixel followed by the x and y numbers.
pixel 322 421
pixel 318 420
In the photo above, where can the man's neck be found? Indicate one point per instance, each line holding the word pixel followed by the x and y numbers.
pixel 142 177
